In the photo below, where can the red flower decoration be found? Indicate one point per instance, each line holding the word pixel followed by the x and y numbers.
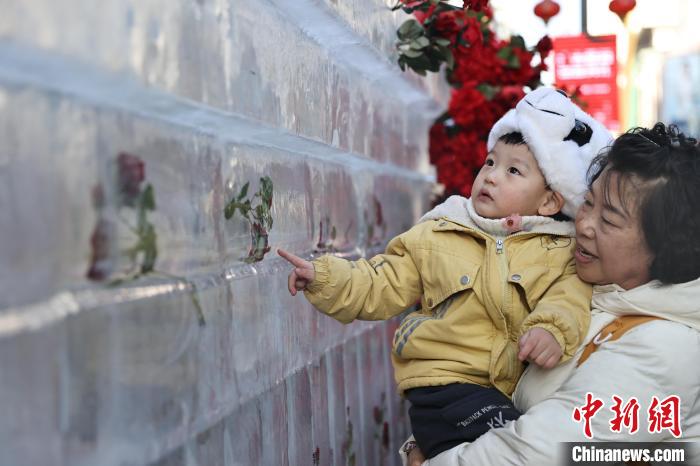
pixel 544 46
pixel 448 24
pixel 476 5
pixel 464 104
pixel 488 79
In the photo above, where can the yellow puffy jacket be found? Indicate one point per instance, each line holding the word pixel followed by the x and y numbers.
pixel 478 294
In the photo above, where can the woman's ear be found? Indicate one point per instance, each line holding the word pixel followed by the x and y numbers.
pixel 552 204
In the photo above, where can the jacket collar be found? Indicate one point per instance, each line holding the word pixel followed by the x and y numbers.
pixel 678 303
pixel 459 210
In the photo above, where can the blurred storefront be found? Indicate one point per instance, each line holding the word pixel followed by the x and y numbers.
pixel 658 53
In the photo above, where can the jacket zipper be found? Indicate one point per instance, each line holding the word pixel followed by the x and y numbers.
pixel 505 295
pixel 504 275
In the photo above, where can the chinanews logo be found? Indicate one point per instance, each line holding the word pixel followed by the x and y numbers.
pixel 661 414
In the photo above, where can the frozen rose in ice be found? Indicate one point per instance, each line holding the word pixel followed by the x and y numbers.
pixel 378 415
pixel 131 175
pixel 379 216
pixel 385 435
pixel 100 263
pixel 259 244
pixel 98 196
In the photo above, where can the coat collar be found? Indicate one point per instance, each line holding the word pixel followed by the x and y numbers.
pixel 678 303
pixel 460 213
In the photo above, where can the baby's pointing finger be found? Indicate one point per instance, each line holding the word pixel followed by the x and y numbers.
pixel 307 274
pixel 293 259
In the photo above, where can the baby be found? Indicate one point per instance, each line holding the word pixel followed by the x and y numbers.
pixel 494 274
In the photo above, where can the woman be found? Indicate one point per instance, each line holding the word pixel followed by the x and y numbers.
pixel 638 237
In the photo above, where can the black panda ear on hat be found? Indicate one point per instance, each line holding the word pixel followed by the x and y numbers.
pixel 562 137
pixel 581 133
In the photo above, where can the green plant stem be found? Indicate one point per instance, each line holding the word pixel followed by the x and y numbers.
pixel 192 292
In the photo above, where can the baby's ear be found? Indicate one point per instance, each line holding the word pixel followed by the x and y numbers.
pixel 552 204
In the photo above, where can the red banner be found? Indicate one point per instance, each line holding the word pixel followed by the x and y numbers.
pixel 590 63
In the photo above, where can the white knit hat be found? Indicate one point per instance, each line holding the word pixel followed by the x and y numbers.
pixel 563 138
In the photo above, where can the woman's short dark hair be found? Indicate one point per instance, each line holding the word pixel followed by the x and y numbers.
pixel 664 166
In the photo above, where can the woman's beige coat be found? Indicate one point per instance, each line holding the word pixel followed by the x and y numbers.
pixel 656 359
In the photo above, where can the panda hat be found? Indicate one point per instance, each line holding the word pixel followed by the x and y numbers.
pixel 563 138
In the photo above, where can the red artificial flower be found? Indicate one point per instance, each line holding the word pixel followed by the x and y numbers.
pixel 464 105
pixel 509 96
pixel 422 16
pixel 448 24
pixel 544 46
pixel 476 5
pixel 412 3
pixel 472 35
pixel 478 64
pixel 488 79
pixel 524 73
pixel 457 158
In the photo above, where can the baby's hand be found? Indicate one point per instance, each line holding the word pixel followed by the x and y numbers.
pixel 540 347
pixel 302 275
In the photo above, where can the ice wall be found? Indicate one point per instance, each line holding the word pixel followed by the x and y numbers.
pixel 206 359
